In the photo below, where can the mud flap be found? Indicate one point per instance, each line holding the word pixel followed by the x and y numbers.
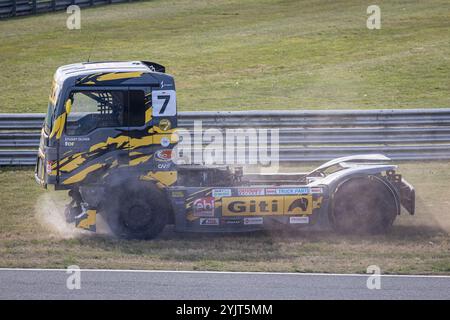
pixel 407 196
pixel 87 220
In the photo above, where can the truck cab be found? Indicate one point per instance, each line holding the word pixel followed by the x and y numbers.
pixel 106 115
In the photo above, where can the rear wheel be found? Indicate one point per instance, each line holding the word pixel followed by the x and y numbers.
pixel 137 210
pixel 364 205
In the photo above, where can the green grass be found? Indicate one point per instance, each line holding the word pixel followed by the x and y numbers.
pixel 232 55
pixel 416 244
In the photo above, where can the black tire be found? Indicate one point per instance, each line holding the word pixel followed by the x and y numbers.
pixel 364 205
pixel 136 210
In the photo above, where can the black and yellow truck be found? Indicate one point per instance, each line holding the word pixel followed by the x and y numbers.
pixel 108 138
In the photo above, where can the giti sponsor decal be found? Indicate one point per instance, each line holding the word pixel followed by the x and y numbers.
pixel 219 193
pixel 251 191
pixel 209 221
pixel 203 207
pixel 163 155
pixel 299 220
pixel 253 220
pixel 266 206
pixel 274 191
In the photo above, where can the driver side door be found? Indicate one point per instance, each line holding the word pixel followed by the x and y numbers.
pixel 95 137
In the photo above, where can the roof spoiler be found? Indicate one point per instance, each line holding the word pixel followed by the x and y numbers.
pixel 155 66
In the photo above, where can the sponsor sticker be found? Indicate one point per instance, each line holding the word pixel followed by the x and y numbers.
pixel 232 221
pixel 266 206
pixel 177 194
pixel 219 193
pixel 164 124
pixel 209 221
pixel 273 191
pixel 163 165
pixel 165 142
pixel 298 204
pixel 204 207
pixel 163 155
pixel 49 167
pixel 294 220
pixel 77 138
pixel 316 190
pixel 253 220
pixel 251 191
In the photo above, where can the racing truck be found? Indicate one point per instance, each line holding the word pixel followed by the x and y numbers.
pixel 108 138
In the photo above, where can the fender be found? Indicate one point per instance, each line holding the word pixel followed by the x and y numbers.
pixel 368 164
pixel 352 160
pixel 333 179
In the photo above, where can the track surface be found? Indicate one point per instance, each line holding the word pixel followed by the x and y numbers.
pixel 117 284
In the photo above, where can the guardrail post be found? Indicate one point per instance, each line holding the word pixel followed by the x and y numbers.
pixel 34 8
pixel 53 5
pixel 14 8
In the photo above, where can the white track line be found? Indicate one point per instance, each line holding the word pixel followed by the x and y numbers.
pixel 233 272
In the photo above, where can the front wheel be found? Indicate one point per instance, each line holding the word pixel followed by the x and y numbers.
pixel 364 205
pixel 137 210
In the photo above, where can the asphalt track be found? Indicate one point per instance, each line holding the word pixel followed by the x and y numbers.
pixel 148 284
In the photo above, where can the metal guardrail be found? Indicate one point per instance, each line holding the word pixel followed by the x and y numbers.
pixel 13 8
pixel 417 134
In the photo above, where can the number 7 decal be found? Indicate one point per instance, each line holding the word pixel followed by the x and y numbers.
pixel 166 99
pixel 164 103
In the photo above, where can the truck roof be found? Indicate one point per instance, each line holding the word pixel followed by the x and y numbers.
pixel 88 68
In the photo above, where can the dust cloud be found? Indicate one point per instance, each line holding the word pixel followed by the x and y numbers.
pixel 49 211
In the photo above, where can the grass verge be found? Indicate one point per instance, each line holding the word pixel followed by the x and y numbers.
pixel 416 245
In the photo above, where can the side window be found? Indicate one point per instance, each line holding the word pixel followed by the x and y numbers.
pixel 136 111
pixel 96 109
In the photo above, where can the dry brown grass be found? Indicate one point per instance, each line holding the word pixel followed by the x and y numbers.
pixel 419 244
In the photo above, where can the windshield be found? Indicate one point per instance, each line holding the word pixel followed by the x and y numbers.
pixel 48 118
pixel 53 98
